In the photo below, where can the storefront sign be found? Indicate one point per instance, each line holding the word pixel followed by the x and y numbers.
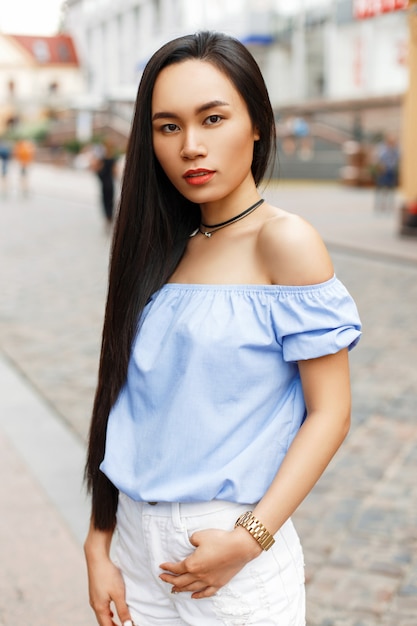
pixel 369 8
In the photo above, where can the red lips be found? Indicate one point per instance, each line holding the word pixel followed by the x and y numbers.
pixel 199 176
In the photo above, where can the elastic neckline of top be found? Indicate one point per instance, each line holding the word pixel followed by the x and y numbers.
pixel 248 286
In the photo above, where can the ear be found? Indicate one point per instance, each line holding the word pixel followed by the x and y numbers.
pixel 256 134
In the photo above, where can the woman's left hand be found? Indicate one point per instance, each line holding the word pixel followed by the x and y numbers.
pixel 219 555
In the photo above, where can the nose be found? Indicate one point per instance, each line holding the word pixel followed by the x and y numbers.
pixel 192 146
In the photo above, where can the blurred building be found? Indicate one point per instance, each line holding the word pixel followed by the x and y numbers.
pixel 115 40
pixel 39 76
pixel 336 63
pixel 319 50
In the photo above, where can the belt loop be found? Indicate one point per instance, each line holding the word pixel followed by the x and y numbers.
pixel 176 516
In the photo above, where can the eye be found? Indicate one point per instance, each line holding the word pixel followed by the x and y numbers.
pixel 169 128
pixel 213 119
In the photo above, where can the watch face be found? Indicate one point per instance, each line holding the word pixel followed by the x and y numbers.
pixel 243 518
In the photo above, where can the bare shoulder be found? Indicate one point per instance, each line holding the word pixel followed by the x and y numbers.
pixel 292 251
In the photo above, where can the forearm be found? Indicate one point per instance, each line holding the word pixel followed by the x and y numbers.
pixel 97 543
pixel 308 456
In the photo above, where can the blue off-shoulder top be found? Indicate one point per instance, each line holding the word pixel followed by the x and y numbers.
pixel 213 396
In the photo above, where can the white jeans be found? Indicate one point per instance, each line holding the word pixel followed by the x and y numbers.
pixel 268 591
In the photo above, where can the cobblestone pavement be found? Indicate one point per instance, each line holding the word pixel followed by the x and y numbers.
pixel 359 525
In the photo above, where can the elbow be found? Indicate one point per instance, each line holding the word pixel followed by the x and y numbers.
pixel 345 423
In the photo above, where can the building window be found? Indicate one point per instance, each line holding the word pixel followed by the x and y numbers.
pixel 157 15
pixel 344 11
pixel 63 52
pixel 136 22
pixel 41 51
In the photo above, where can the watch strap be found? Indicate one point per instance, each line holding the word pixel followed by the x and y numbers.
pixel 256 529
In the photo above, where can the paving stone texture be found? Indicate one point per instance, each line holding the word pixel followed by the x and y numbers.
pixel 358 526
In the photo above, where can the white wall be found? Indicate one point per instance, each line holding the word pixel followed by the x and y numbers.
pixel 364 58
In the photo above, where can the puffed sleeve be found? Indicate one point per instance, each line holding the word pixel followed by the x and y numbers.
pixel 315 320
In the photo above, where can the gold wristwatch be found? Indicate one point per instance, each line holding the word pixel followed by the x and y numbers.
pixel 256 529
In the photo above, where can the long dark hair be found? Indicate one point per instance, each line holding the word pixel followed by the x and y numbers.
pixel 152 229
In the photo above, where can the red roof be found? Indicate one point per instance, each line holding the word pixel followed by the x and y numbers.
pixel 55 50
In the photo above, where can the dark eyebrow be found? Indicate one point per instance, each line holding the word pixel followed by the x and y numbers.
pixel 204 107
pixel 211 105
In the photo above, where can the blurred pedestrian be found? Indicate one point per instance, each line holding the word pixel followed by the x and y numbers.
pixel 104 163
pixel 303 139
pixel 223 389
pixel 5 155
pixel 24 152
pixel 386 166
pixel 288 137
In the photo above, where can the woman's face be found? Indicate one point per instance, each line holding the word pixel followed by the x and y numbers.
pixel 203 136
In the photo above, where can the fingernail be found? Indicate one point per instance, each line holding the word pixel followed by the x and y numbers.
pixel 128 622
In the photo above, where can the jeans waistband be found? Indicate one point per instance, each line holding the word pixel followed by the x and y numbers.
pixel 189 509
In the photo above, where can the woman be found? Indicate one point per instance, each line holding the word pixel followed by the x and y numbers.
pixel 223 390
pixel 105 168
pixel 24 152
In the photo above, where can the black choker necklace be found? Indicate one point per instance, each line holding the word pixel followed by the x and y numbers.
pixel 232 220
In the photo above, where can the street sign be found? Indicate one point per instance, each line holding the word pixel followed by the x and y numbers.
pixel 369 8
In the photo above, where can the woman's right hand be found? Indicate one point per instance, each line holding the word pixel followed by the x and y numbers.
pixel 105 581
